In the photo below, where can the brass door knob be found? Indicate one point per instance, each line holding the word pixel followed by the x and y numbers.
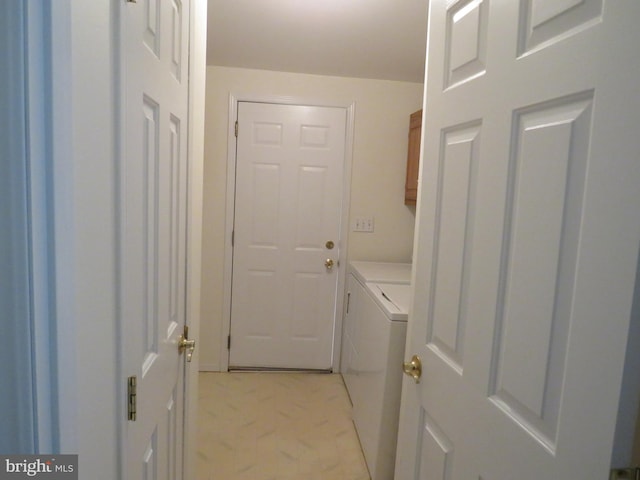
pixel 413 368
pixel 188 345
pixel 329 263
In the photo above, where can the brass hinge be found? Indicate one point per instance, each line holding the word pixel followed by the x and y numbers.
pixel 233 237
pixel 236 128
pixel 229 342
pixel 132 387
pixel 625 474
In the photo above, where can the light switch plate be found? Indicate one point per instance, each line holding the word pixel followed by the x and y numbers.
pixel 363 224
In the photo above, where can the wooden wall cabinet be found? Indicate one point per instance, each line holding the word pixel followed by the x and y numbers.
pixel 413 158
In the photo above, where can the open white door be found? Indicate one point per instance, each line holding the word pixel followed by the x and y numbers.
pixel 153 214
pixel 527 242
pixel 287 238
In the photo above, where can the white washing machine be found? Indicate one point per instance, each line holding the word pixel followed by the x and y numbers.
pixel 373 351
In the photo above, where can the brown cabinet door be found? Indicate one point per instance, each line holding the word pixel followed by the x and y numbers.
pixel 413 158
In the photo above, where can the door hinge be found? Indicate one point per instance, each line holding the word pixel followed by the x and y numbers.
pixel 228 342
pixel 132 388
pixel 233 237
pixel 236 128
pixel 625 474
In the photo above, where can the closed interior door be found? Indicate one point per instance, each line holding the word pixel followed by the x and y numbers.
pixel 529 225
pixel 153 227
pixel 287 239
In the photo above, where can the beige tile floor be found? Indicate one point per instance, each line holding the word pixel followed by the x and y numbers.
pixel 276 426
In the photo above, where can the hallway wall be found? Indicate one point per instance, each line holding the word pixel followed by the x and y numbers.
pixel 378 171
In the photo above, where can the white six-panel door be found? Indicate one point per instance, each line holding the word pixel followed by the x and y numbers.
pixel 288 205
pixel 153 192
pixel 527 242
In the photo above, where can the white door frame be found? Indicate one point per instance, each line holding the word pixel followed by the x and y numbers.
pixel 27 93
pixel 40 158
pixel 234 99
pixel 195 154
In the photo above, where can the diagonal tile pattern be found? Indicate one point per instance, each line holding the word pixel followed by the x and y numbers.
pixel 276 426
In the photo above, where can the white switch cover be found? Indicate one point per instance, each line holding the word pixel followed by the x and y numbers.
pixel 363 224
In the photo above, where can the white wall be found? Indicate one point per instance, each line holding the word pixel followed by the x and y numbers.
pixel 378 173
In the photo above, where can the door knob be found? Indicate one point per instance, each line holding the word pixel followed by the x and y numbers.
pixel 185 344
pixel 413 368
pixel 329 263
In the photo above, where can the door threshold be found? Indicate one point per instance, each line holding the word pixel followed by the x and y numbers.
pixel 278 370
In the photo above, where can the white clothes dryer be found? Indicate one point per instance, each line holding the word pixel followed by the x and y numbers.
pixel 382 272
pixel 380 351
pixel 373 350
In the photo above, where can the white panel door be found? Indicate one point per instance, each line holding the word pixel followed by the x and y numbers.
pixel 153 209
pixel 527 243
pixel 289 172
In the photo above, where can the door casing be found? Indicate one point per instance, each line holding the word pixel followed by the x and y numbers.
pixel 26 246
pixel 234 99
